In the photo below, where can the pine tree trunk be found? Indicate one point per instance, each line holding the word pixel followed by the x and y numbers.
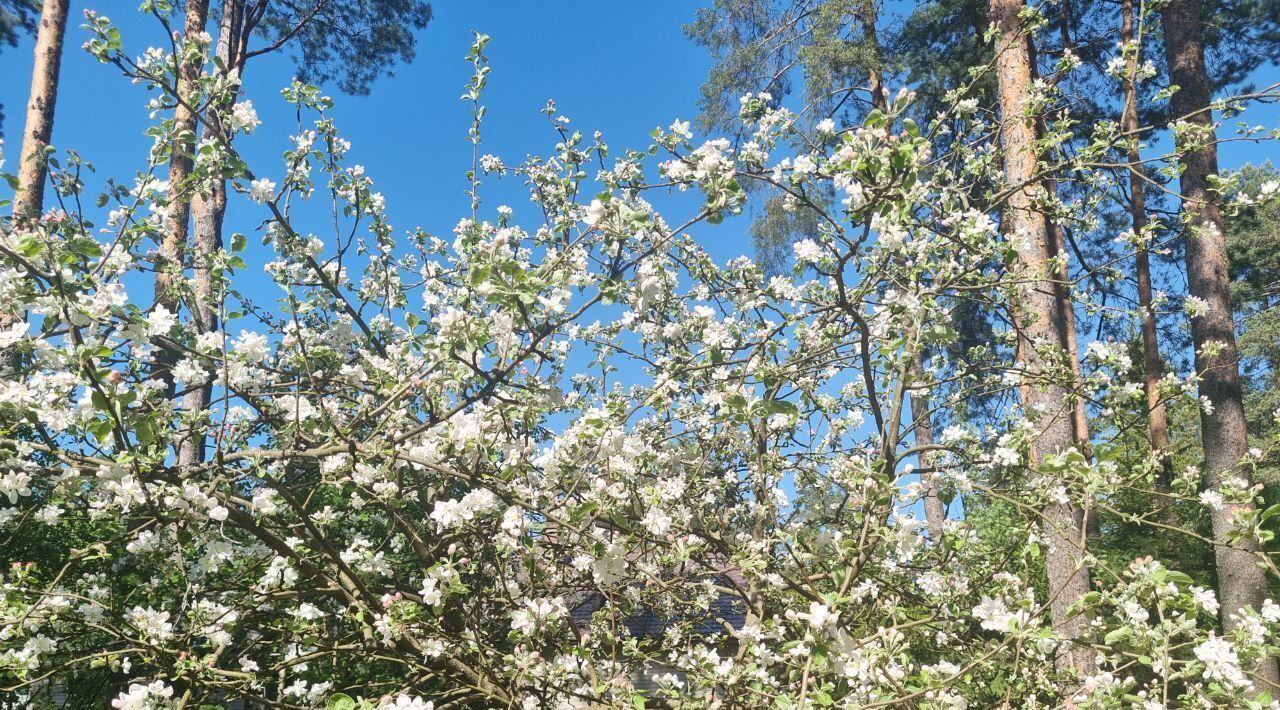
pixel 1152 365
pixel 1079 417
pixel 1041 324
pixel 1067 329
pixel 208 210
pixel 935 512
pixel 169 261
pixel 1062 292
pixel 28 200
pixel 875 82
pixel 1240 581
pixel 28 203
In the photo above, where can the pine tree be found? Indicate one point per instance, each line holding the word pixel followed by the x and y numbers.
pixel 1041 323
pixel 1222 421
pixel 1153 365
pixel 168 265
pixel 38 132
pixel 350 43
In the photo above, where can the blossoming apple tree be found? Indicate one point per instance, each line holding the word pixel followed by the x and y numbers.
pixel 446 470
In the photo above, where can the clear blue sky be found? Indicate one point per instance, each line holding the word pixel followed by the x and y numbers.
pixel 622 68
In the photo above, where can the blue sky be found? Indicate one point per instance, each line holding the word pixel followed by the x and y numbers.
pixel 621 68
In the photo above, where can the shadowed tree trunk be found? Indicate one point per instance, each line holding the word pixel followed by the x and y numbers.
pixel 1152 366
pixel 1041 325
pixel 1079 417
pixel 875 82
pixel 169 261
pixel 28 203
pixel 1240 581
pixel 935 512
pixel 1070 343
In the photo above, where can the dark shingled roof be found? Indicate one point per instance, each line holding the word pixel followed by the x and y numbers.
pixel 727 608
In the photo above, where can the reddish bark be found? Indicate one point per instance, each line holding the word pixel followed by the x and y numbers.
pixel 28 203
pixel 1241 582
pixel 1041 324
pixel 1153 366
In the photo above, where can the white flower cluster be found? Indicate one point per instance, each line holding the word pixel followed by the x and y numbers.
pixel 454 512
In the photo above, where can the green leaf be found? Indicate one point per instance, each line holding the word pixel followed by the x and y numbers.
pixel 100 401
pixel 340 701
pixel 1116 636
pixel 145 432
pixel 780 406
pixel 101 429
pixel 1064 461
pixel 581 512
pixel 28 245
pixel 86 248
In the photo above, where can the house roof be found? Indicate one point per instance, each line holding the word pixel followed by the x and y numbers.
pixel 727 609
